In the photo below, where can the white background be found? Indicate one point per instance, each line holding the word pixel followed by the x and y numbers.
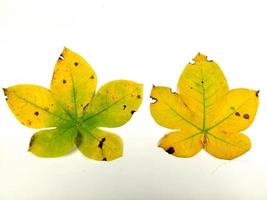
pixel 148 42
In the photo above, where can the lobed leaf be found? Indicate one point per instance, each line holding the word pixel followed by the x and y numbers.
pixel 208 115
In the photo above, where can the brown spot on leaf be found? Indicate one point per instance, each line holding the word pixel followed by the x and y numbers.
pixel 257 93
pixel 78 139
pixel 61 57
pixel 237 114
pixel 92 77
pixel 100 145
pixel 32 141
pixel 29 122
pixel 204 141
pixel 85 106
pixel 246 116
pixel 170 150
pixel 5 91
pixel 36 113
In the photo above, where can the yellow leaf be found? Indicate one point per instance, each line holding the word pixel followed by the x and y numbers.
pixel 74 111
pixel 208 115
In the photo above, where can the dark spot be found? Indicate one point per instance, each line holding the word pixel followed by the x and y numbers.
pixel 124 106
pixel 5 91
pixel 204 141
pixel 191 88
pixel 78 139
pixel 154 100
pixel 76 64
pixel 232 108
pixel 237 114
pixel 139 96
pixel 92 77
pixel 61 57
pixel 104 159
pixel 170 150
pixel 81 105
pixel 36 113
pixel 133 111
pixel 32 141
pixel 246 116
pixel 29 122
pixel 257 93
pixel 85 106
pixel 52 104
pixel 202 82
pixel 64 81
pixel 100 145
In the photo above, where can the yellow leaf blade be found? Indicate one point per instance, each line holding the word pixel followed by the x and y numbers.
pixel 73 82
pixel 99 145
pixel 114 104
pixel 217 113
pixel 227 146
pixel 34 106
pixel 201 84
pixel 53 143
pixel 182 143
pixel 236 111
pixel 169 110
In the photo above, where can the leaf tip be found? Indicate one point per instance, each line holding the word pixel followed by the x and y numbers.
pixel 200 58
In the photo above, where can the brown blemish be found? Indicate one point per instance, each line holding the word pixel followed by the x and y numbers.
pixel 5 91
pixel 104 159
pixel 76 64
pixel 257 93
pixel 32 141
pixel 100 145
pixel 133 111
pixel 237 114
pixel 204 141
pixel 85 106
pixel 124 106
pixel 246 116
pixel 139 96
pixel 61 57
pixel 29 122
pixel 78 139
pixel 36 113
pixel 64 81
pixel 92 77
pixel 170 150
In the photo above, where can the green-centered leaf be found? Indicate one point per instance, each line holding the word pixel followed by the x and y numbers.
pixel 74 111
pixel 208 115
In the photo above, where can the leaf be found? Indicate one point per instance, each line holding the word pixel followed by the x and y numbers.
pixel 73 112
pixel 205 113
